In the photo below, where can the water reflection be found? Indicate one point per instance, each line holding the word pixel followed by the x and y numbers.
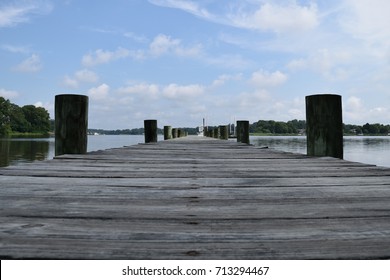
pixel 14 151
pixel 294 144
pixel 367 149
pixel 373 150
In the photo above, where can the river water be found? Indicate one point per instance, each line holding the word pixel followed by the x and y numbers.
pixel 373 150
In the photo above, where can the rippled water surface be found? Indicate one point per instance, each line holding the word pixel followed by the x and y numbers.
pixel 367 149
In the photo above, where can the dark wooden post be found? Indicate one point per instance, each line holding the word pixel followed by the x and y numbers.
pixel 167 132
pixel 174 132
pixel 150 131
pixel 216 133
pixel 71 124
pixel 238 131
pixel 324 125
pixel 224 132
pixel 242 132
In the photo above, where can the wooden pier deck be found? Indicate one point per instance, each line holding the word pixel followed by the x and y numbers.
pixel 194 198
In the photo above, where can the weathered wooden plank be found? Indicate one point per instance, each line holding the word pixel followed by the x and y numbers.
pixel 194 198
pixel 112 209
pixel 197 173
pixel 185 229
pixel 137 188
pixel 265 202
pixel 77 248
pixel 177 235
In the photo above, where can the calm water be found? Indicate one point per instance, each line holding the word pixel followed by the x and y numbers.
pixel 367 149
pixel 22 150
pixel 373 150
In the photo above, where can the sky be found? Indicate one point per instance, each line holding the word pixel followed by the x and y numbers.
pixel 180 61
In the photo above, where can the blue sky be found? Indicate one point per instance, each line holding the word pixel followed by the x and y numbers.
pixel 178 61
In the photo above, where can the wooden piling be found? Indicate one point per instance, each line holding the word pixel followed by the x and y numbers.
pixel 238 131
pixel 167 132
pixel 216 133
pixel 150 131
pixel 71 124
pixel 324 125
pixel 205 131
pixel 242 132
pixel 224 132
pixel 174 132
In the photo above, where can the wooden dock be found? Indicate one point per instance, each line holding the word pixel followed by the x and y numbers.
pixel 194 198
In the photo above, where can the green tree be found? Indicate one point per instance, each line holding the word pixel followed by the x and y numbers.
pixel 5 126
pixel 280 128
pixel 18 121
pixel 38 117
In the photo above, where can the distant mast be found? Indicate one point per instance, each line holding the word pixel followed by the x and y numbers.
pixel 202 128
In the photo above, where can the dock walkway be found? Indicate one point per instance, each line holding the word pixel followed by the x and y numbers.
pixel 194 198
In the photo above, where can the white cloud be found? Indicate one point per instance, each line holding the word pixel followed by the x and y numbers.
pixel 358 111
pixel 379 112
pixel 277 18
pixel 86 76
pixel 223 79
pixel 102 57
pixel 188 6
pixel 144 90
pixel 100 92
pixel 16 49
pixel 298 64
pixel 127 34
pixel 81 76
pixel 70 82
pixel 354 104
pixel 189 51
pixel 135 37
pixel 187 92
pixel 265 79
pixel 286 16
pixel 31 64
pixel 7 94
pixel 175 92
pixel 163 44
pixel 331 64
pixel 368 21
pixel 17 12
pixel 38 104
pixel 10 16
pixel 248 100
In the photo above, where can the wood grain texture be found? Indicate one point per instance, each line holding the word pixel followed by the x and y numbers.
pixel 194 198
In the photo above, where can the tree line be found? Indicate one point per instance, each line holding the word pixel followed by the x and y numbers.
pixel 299 126
pixel 26 119
pixel 278 127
